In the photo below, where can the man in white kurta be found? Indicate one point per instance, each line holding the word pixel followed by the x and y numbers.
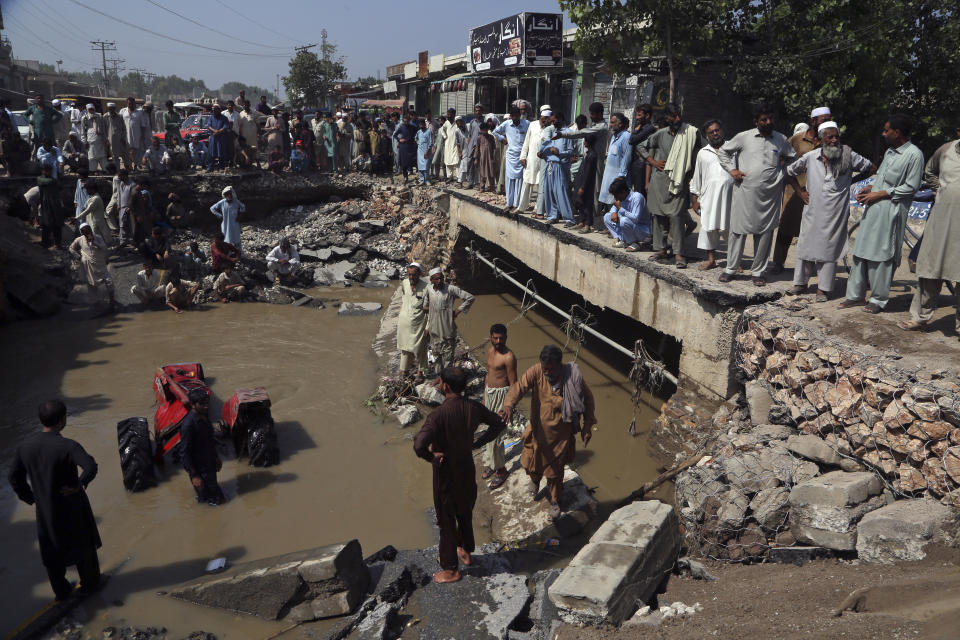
pixel 450 148
pixel 412 338
pixel 530 157
pixel 467 175
pixel 755 158
pixel 93 259
pixel 138 132
pixel 826 197
pixel 93 134
pixel 712 191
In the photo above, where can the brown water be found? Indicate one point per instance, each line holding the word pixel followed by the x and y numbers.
pixel 343 474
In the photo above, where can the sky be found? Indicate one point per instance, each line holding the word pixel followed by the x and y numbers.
pixel 369 34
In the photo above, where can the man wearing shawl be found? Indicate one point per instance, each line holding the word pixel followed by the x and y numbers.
pixel 559 399
pixel 228 210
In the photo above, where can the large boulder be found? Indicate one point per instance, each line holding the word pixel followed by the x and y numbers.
pixel 824 511
pixel 304 585
pixel 901 530
pixel 621 566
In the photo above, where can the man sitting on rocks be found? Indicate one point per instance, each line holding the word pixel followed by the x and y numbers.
pixel 222 252
pixel 148 287
pixel 229 285
pixel 281 262
pixel 446 441
pixel 179 292
pixel 156 248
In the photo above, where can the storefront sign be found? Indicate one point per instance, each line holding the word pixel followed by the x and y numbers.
pixel 522 40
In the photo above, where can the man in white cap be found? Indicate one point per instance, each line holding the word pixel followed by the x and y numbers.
pixel 64 126
pixel 116 135
pixel 803 143
pixel 441 326
pixel 450 146
pixel 93 259
pixel 829 173
pixel 530 156
pixel 412 322
pixel 228 210
pixel 93 134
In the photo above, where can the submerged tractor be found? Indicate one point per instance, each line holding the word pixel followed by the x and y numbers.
pixel 247 422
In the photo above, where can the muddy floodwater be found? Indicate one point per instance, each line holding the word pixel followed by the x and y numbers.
pixel 344 472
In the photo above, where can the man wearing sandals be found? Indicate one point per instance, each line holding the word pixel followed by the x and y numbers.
pixel 938 260
pixel 501 375
pixel 755 159
pixel 628 219
pixel 560 398
pixel 876 249
pixel 829 170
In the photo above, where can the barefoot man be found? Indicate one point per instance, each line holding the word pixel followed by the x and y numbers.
pixel 446 441
pixel 501 374
pixel 559 399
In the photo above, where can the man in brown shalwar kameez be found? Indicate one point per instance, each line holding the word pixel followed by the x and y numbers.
pixel 446 441
pixel 560 397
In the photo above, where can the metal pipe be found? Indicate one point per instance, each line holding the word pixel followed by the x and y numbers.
pixel 536 296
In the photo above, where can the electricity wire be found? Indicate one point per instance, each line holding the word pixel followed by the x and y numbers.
pixel 248 19
pixel 227 35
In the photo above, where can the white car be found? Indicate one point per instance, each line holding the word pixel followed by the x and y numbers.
pixel 20 122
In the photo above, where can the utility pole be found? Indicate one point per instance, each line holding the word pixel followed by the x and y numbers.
pixel 115 65
pixel 305 47
pixel 104 46
pixel 323 47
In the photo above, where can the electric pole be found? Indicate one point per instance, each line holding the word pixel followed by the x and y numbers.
pixel 323 47
pixel 104 46
pixel 305 47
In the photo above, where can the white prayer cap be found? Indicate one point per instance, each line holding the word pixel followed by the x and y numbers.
pixel 820 111
pixel 84 225
pixel 416 265
pixel 435 271
pixel 459 118
pixel 802 127
pixel 339 113
pixel 545 107
pixel 55 102
pixel 546 113
pixel 226 190
pixel 90 106
pixel 111 104
pixel 829 124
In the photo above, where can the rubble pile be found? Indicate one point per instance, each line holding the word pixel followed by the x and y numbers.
pixel 822 435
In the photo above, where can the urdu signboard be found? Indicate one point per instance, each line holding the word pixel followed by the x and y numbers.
pixel 522 40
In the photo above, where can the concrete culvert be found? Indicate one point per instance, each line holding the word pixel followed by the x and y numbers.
pixel 136 454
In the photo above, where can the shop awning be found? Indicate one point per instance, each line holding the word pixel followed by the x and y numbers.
pixel 456 76
pixel 399 102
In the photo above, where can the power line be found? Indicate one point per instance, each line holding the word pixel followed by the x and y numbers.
pixel 256 22
pixel 160 35
pixel 232 37
pixel 66 56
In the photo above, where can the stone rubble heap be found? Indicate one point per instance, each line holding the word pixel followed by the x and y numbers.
pixel 817 449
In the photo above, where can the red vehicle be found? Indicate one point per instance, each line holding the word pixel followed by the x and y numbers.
pixel 195 125
pixel 248 422
pixel 172 383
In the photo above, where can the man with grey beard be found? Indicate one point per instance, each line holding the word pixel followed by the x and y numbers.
pixel 826 196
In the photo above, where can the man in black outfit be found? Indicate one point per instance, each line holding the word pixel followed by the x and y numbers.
pixel 199 450
pixel 44 473
pixel 583 200
pixel 446 441
pixel 643 129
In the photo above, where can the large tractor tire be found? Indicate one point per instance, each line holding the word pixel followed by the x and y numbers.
pixel 136 454
pixel 262 444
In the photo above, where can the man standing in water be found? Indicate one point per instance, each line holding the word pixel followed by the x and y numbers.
pixel 560 398
pixel 501 375
pixel 441 328
pixel 199 450
pixel 446 441
pixel 44 473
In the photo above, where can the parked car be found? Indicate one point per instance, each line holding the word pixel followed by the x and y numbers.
pixel 191 126
pixel 20 122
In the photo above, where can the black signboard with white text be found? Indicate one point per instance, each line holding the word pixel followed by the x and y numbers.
pixel 522 40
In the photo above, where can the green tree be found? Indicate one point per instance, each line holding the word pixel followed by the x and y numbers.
pixel 312 76
pixel 230 90
pixel 620 33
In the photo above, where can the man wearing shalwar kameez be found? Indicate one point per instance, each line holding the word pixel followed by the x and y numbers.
pixel 512 133
pixel 939 260
pixel 450 142
pixel 406 136
pixel 599 128
pixel 555 183
pixel 93 212
pixel 438 302
pixel 228 210
pixel 93 134
pixel 446 442
pixel 823 238
pixel 712 191
pixel 530 157
pixel 137 126
pixel 116 136
pixel 44 472
pixel 93 258
pixel 412 322
pixel 876 249
pixel 468 174
pixel 486 160
pixel 220 144
pixel 559 399
pixel 755 159
pixel 424 145
pixel 628 220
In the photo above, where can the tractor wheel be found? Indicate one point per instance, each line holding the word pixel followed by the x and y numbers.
pixel 136 454
pixel 262 445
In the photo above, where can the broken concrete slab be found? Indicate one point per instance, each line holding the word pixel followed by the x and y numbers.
pixel 341 252
pixel 406 414
pixel 813 448
pixel 759 402
pixel 332 274
pixel 319 255
pixel 358 308
pixel 622 565
pixel 824 511
pixel 901 530
pixel 429 394
pixel 304 585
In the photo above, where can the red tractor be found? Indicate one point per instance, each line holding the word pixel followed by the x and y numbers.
pixel 249 424
pixel 172 385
